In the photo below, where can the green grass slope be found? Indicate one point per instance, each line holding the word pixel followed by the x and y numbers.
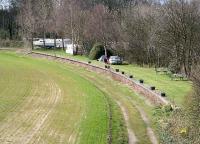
pixel 175 90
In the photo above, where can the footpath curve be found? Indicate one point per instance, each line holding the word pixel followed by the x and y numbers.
pixel 153 96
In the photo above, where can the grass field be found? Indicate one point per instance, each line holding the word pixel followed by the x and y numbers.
pixel 175 90
pixel 48 102
pixel 42 102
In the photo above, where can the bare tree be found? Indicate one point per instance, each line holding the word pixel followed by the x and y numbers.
pixel 27 20
pixel 73 18
pixel 178 34
pixel 101 26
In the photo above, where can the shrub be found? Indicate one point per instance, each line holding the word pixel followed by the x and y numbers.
pixel 97 51
pixel 167 108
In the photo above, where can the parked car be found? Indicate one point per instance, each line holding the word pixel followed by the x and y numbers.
pixel 115 60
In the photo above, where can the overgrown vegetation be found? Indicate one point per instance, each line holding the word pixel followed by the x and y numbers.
pixel 182 126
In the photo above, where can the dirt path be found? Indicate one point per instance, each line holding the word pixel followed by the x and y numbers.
pixel 144 117
pixel 22 126
pixel 150 132
pixel 131 135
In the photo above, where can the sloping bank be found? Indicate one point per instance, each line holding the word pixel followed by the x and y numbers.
pixel 151 95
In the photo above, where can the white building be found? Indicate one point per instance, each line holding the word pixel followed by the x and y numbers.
pixel 70 49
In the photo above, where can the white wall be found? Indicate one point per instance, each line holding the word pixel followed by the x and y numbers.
pixel 69 49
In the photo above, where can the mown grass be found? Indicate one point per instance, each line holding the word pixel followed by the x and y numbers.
pixel 81 114
pixel 176 90
pixel 123 94
pixel 13 93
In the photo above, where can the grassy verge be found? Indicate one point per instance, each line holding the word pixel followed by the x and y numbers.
pixel 175 90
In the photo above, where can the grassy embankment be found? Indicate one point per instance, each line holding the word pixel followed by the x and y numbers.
pixel 175 90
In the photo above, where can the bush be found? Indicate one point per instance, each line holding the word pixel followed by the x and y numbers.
pixel 97 51
pixel 167 108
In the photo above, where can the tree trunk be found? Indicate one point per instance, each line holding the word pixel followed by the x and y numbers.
pixel 106 53
pixel 32 46
pixel 63 44
pixel 55 37
pixel 44 43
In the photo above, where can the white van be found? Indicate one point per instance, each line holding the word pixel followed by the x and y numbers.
pixel 51 42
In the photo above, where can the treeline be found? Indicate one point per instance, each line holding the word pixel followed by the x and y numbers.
pixel 8 22
pixel 146 32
